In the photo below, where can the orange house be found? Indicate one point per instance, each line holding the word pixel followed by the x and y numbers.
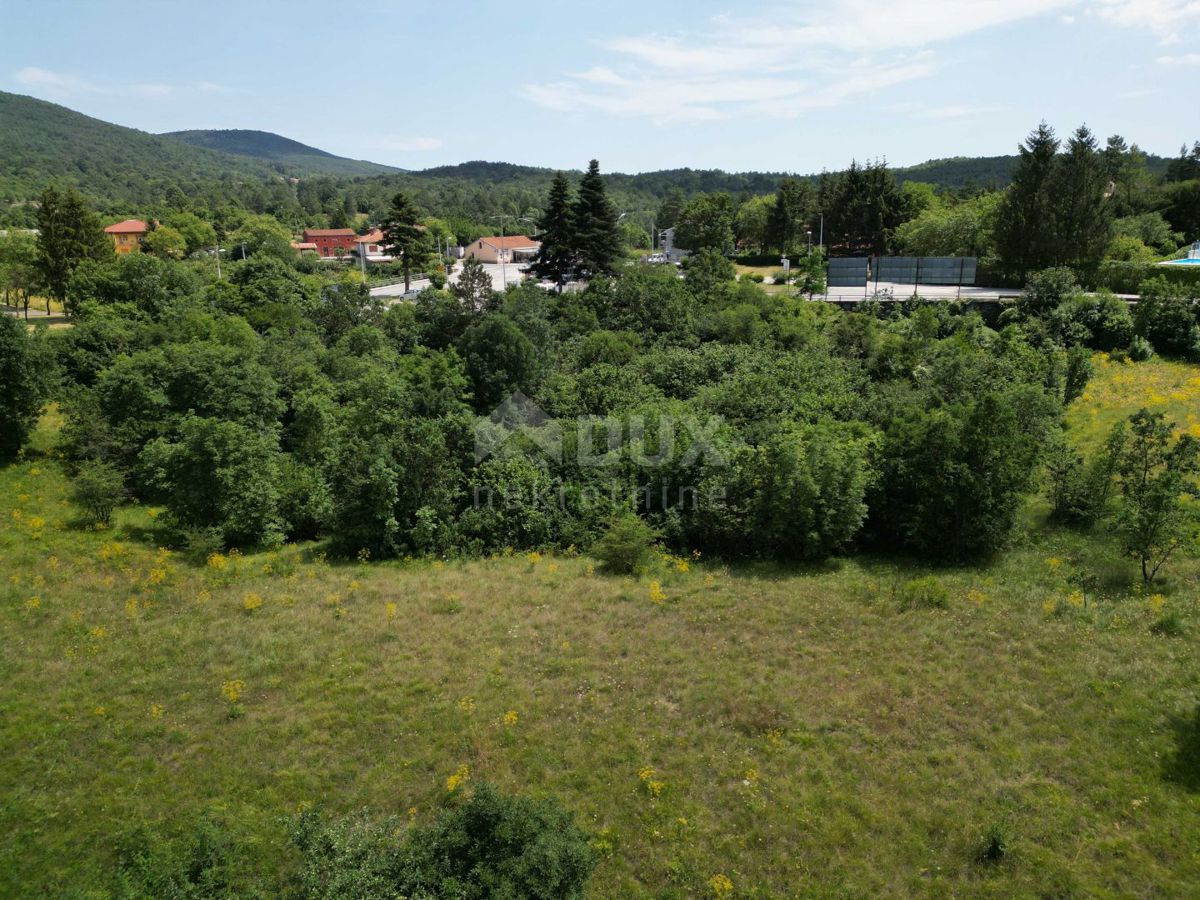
pixel 127 236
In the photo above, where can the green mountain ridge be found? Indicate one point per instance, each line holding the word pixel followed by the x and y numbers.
pixel 271 147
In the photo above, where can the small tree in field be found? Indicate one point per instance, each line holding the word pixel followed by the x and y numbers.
pixel 98 488
pixel 1158 487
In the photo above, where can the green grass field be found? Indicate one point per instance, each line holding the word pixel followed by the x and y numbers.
pixel 806 735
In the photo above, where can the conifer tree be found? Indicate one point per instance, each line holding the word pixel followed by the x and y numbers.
pixel 1024 229
pixel 1082 219
pixel 596 236
pixel 68 233
pixel 556 231
pixel 404 239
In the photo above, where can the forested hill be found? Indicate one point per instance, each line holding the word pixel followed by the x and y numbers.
pixel 116 167
pixel 278 149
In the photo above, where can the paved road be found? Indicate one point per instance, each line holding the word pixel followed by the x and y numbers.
pixel 497 272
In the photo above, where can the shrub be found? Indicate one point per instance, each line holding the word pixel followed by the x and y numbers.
pixel 491 846
pixel 994 844
pixel 626 546
pixel 923 593
pixel 98 489
pixel 1140 349
pixel 756 277
pixel 196 866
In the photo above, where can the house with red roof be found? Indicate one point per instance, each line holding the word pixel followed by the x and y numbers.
pixel 329 241
pixel 513 248
pixel 127 236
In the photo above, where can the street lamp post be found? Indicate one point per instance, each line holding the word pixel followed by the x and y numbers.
pixel 809 233
pixel 503 259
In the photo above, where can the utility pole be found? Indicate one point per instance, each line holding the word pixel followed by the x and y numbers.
pixel 821 242
pixel 503 259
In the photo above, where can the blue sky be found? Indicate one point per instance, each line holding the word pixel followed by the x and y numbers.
pixel 796 86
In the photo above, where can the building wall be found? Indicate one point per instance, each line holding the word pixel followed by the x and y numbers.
pixel 126 243
pixel 484 252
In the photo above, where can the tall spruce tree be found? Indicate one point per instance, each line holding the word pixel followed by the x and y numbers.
pixel 556 230
pixel 1025 235
pixel 68 233
pixel 596 237
pixel 789 215
pixel 1082 219
pixel 404 238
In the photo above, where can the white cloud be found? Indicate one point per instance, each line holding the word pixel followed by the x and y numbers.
pixel 960 111
pixel 63 85
pixel 799 58
pixel 1165 18
pixel 1186 59
pixel 806 55
pixel 52 82
pixel 406 144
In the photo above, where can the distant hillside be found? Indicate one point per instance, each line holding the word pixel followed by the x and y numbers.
pixel 120 168
pixel 278 149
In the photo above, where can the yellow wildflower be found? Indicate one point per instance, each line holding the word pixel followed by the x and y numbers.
pixel 131 607
pixel 52 562
pixel 1054 563
pixel 721 886
pixel 461 774
pixel 1050 606
pixel 657 595
pixel 552 567
pixel 467 705
pixel 99 632
pixel 233 689
pixel 510 718
pixel 33 602
pixel 218 562
pixel 590 570
pixel 534 557
pixel 1076 599
pixel 101 710
pixel 390 609
pixel 251 602
pixel 681 565
pixel 976 596
pixel 156 711
pixel 1156 602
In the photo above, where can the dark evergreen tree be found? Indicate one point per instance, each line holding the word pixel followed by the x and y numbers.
pixel 864 208
pixel 790 214
pixel 404 238
pixel 1187 165
pixel 68 233
pixel 596 236
pixel 474 286
pixel 1025 236
pixel 672 206
pixel 1082 219
pixel 556 231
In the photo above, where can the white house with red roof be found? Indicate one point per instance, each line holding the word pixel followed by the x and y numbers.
pixel 513 248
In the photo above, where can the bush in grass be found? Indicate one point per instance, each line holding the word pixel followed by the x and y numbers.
pixel 197 866
pixel 626 546
pixel 492 846
pixel 1140 349
pixel 923 593
pixel 994 844
pixel 98 489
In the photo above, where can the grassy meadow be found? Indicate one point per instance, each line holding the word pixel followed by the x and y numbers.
pixel 792 729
